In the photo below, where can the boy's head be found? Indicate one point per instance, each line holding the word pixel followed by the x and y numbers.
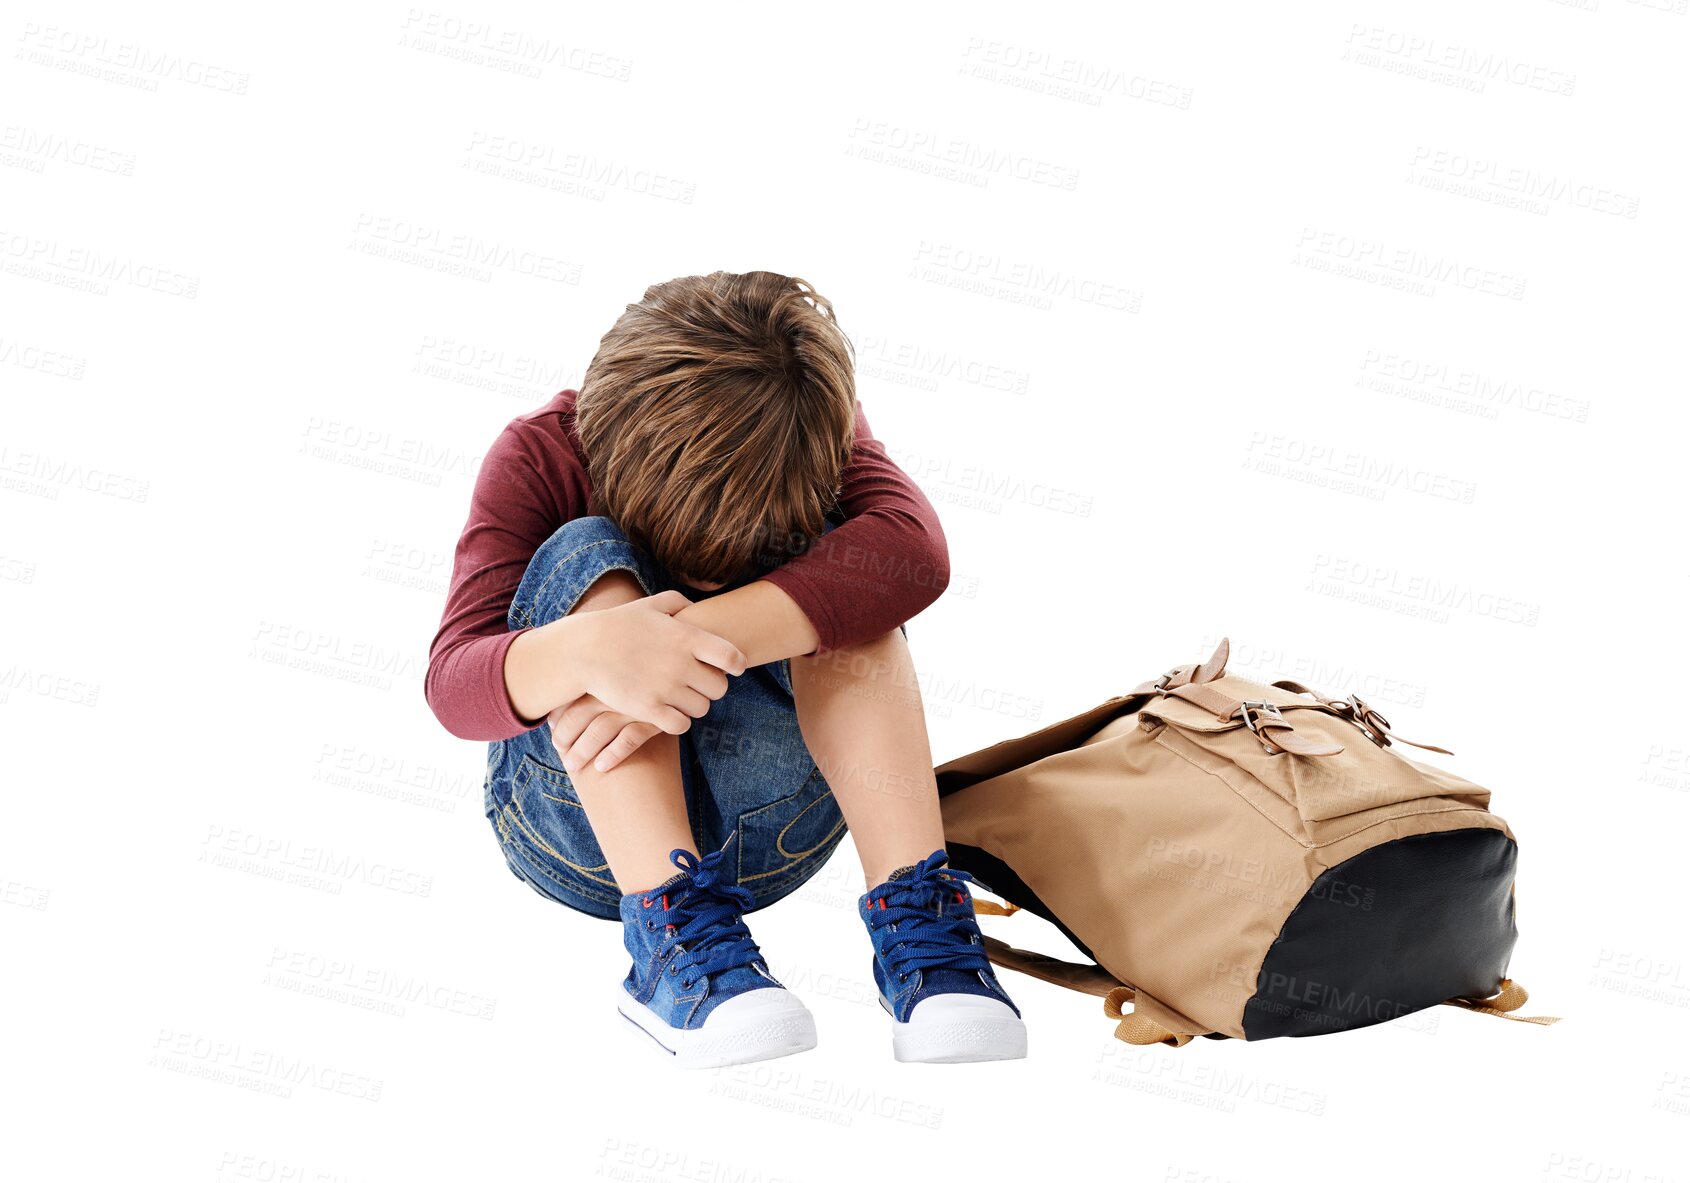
pixel 716 419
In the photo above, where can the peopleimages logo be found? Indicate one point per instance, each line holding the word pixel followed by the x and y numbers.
pixel 581 174
pixel 992 274
pixel 1418 593
pixel 1525 183
pixel 454 252
pixel 368 987
pixel 35 360
pixel 88 53
pixel 480 43
pixel 304 864
pixel 923 149
pixel 263 1070
pixel 88 269
pixel 1345 470
pixel 39 148
pixel 1437 382
pixel 1403 265
pixel 1060 75
pixel 1427 56
pixel 45 475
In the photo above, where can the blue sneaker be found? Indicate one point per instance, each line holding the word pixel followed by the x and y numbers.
pixel 931 967
pixel 698 986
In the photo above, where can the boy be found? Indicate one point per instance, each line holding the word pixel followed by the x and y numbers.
pixel 676 615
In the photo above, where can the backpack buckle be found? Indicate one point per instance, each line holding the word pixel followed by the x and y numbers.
pixel 1369 721
pixel 1249 709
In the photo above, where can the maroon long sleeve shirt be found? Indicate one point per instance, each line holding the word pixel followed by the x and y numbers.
pixel 885 563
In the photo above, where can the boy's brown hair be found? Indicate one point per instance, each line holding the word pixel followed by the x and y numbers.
pixel 716 418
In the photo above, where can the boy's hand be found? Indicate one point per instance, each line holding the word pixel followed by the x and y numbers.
pixel 587 731
pixel 639 661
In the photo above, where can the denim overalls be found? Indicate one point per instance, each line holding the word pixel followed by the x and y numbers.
pixel 744 766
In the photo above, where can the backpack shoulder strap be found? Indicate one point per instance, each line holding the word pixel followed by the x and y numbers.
pixel 1087 979
pixel 1146 1023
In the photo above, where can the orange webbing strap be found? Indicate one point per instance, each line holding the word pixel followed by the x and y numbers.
pixel 993 908
pixel 1134 1028
pixel 1510 996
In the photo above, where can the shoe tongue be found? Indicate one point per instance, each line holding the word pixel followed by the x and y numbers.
pixel 938 899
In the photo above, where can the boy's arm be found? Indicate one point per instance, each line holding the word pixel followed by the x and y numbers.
pixel 859 581
pixel 640 659
pixel 514 508
pixel 488 682
pixel 882 566
pixel 762 620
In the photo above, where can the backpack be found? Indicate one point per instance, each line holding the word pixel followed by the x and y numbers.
pixel 1241 860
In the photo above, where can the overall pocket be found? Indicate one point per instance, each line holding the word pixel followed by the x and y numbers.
pixel 793 835
pixel 547 817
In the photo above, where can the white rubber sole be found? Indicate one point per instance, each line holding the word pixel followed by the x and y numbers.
pixel 757 1025
pixel 958 1029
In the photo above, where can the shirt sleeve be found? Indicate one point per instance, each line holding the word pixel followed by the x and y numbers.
pixel 884 564
pixel 512 512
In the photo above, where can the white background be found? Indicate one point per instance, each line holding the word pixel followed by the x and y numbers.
pixel 1352 331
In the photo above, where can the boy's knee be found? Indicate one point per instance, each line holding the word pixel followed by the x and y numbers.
pixel 578 532
pixel 609 590
pixel 569 571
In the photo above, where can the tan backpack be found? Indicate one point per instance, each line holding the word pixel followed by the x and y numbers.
pixel 1241 861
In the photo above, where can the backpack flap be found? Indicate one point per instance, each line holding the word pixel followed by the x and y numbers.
pixel 1016 753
